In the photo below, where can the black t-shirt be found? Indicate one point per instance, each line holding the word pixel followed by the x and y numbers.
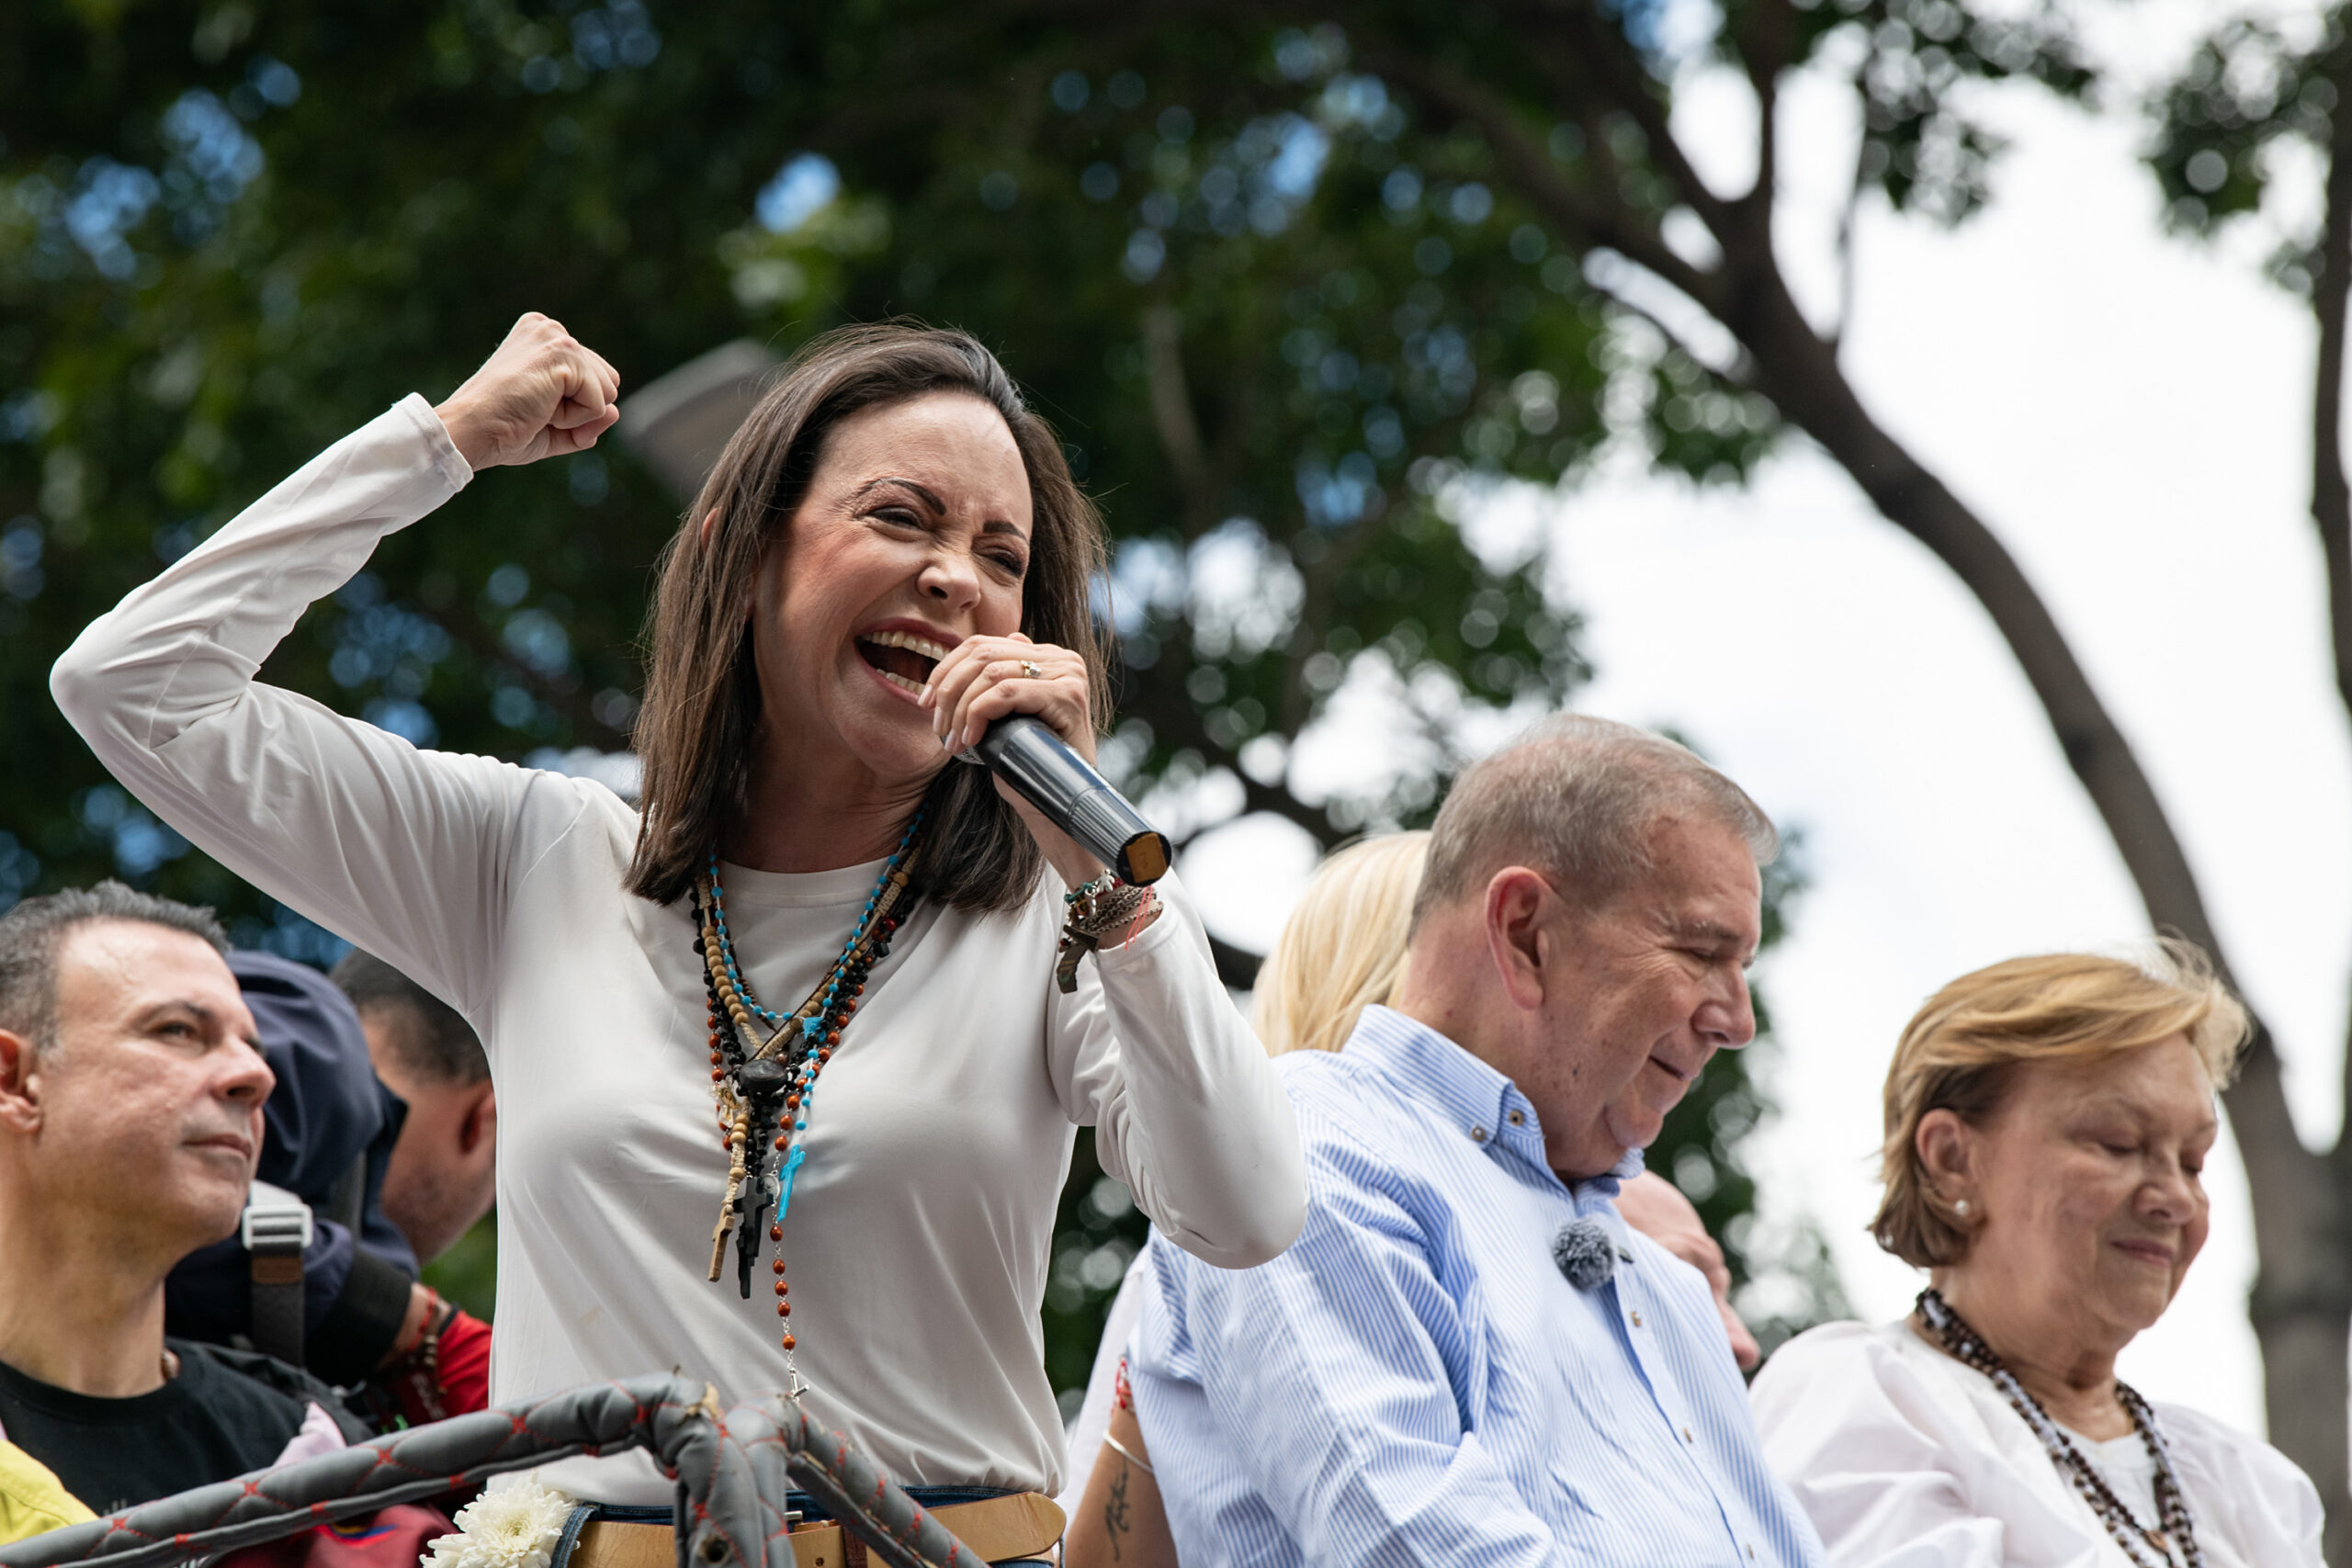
pixel 210 1423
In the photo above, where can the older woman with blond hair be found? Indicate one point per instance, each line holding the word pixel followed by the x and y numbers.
pixel 2047 1122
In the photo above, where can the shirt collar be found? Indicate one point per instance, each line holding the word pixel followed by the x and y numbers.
pixel 1467 1093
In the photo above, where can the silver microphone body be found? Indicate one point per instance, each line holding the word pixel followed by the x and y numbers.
pixel 1023 752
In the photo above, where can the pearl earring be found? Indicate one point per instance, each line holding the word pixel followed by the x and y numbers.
pixel 1961 1207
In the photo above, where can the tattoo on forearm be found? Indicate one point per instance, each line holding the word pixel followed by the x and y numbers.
pixel 1114 1511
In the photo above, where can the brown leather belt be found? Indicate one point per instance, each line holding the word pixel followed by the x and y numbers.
pixel 1001 1530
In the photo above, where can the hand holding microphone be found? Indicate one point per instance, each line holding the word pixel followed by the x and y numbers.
pixel 994 701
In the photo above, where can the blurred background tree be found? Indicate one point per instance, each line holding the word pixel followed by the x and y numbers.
pixel 1297 315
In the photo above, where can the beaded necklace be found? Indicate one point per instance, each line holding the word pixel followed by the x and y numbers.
pixel 2173 1527
pixel 763 1065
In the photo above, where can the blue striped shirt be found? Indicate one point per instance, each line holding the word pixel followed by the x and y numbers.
pixel 1416 1382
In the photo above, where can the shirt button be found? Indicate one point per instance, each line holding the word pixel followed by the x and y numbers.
pixel 1751 1554
pixel 1637 1320
pixel 1517 1118
pixel 1477 1134
pixel 1687 1438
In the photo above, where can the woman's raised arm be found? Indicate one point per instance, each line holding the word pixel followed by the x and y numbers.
pixel 407 853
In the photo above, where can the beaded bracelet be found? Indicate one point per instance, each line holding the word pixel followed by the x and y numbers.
pixel 1099 914
pixel 1096 910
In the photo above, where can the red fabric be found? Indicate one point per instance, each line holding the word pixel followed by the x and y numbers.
pixel 407 1393
pixel 392 1538
pixel 464 1364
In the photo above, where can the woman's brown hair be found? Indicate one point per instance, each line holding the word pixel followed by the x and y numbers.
pixel 700 727
pixel 1961 1051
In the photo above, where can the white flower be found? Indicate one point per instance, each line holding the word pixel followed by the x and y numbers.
pixel 513 1527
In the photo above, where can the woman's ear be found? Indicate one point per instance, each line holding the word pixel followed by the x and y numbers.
pixel 1947 1148
pixel 710 522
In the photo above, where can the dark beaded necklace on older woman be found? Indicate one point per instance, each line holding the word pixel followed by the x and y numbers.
pixel 2173 1528
pixel 763 1065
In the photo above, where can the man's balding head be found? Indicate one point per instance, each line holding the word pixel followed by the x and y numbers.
pixel 1585 925
pixel 1576 799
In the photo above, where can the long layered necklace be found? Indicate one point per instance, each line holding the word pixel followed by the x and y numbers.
pixel 765 1067
pixel 2173 1527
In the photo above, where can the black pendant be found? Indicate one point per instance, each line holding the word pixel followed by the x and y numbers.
pixel 761 1076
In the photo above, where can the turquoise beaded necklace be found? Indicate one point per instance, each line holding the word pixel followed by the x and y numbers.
pixel 764 1066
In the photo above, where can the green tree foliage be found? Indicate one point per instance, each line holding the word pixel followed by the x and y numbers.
pixel 1291 320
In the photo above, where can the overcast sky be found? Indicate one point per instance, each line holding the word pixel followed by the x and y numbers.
pixel 2127 411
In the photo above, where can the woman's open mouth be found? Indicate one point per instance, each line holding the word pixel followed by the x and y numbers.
pixel 903 659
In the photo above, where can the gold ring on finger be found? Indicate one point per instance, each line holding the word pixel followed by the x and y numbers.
pixel 1029 669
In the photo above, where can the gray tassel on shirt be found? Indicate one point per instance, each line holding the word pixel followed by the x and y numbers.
pixel 1585 1253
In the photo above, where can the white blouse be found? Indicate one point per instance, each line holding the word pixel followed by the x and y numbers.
pixel 921 1223
pixel 1907 1459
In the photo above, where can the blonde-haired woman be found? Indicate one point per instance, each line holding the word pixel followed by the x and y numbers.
pixel 1342 947
pixel 2047 1121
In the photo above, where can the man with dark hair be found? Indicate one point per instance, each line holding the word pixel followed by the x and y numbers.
pixel 131 1119
pixel 443 1174
pixel 317 1275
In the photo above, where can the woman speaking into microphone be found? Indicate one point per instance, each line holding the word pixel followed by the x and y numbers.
pixel 786 1084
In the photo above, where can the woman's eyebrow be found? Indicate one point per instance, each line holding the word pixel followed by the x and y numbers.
pixel 929 498
pixel 999 525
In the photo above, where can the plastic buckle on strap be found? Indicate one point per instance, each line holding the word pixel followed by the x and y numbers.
pixel 276 1221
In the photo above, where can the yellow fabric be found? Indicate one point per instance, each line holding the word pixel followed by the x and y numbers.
pixel 32 1500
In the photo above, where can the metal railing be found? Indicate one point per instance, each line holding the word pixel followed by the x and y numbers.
pixel 734 1469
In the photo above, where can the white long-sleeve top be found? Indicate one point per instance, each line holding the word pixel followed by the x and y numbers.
pixel 921 1225
pixel 1905 1458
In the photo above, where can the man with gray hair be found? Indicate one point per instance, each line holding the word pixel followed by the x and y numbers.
pixel 1467 1357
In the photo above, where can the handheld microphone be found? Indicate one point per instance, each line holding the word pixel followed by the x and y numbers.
pixel 1022 751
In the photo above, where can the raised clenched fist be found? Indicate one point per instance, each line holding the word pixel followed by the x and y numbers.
pixel 542 394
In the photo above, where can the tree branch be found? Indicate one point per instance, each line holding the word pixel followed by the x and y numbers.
pixel 1585 224
pixel 1585 51
pixel 1171 415
pixel 1765 53
pixel 2331 492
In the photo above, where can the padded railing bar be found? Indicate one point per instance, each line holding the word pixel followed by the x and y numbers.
pixel 733 1471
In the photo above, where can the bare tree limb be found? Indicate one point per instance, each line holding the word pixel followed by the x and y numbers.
pixel 1172 409
pixel 2331 492
pixel 1584 54
pixel 1585 223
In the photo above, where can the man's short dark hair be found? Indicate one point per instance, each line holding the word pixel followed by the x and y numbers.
pixel 31 932
pixel 431 1040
